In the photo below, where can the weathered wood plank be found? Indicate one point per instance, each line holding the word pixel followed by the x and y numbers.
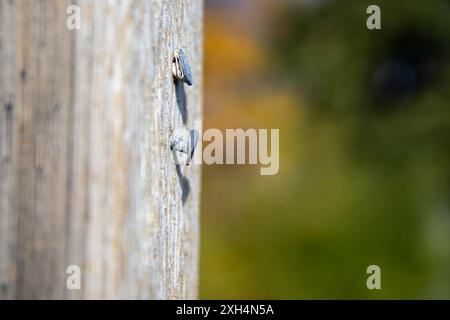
pixel 86 176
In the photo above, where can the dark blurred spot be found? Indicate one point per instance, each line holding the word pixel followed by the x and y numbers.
pixel 4 288
pixel 411 64
pixel 8 108
pixel 23 75
pixel 56 108
pixel 8 132
pixel 394 79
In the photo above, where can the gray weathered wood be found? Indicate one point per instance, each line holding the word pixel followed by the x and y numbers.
pixel 86 174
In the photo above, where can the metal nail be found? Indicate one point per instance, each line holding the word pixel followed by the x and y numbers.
pixel 180 67
pixel 184 141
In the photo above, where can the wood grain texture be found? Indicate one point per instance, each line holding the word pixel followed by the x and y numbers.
pixel 86 174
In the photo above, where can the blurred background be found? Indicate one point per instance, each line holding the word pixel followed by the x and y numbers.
pixel 364 174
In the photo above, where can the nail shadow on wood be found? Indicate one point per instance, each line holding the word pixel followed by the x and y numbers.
pixel 184 183
pixel 181 99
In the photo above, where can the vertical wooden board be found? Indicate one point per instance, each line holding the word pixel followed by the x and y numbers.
pixel 87 178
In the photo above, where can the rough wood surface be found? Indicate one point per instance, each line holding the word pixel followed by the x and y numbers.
pixel 86 174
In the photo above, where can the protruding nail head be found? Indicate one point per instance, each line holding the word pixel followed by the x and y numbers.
pixel 180 67
pixel 184 141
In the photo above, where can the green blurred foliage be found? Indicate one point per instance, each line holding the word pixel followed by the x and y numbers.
pixel 364 167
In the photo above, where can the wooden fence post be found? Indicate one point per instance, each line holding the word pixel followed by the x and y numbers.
pixel 86 174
